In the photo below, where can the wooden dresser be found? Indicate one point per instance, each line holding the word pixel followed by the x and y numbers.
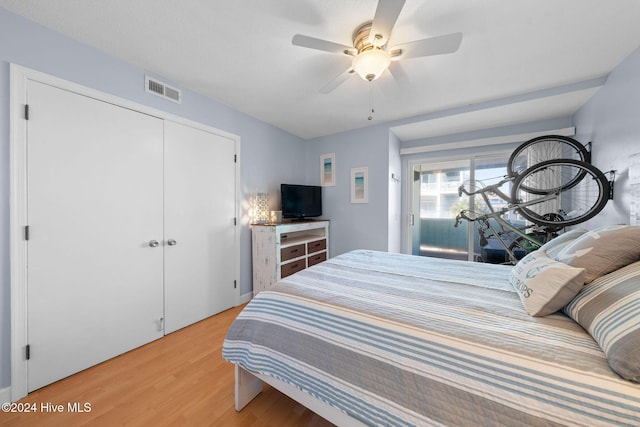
pixel 280 250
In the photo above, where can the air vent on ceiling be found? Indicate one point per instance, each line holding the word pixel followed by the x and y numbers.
pixel 162 89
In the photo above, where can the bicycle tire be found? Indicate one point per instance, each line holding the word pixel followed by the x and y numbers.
pixel 544 148
pixel 574 204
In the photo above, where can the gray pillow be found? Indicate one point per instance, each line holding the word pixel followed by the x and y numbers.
pixel 603 250
pixel 545 285
pixel 609 309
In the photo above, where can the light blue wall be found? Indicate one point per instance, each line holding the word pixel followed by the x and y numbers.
pixel 268 155
pixel 354 225
pixel 611 121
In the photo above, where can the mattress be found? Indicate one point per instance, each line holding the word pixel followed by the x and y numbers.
pixel 393 339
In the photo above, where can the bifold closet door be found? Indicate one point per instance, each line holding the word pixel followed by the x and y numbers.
pixel 94 197
pixel 199 224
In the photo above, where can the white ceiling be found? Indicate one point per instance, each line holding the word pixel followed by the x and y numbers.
pixel 550 107
pixel 239 52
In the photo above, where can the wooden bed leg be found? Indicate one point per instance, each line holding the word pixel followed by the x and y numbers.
pixel 247 387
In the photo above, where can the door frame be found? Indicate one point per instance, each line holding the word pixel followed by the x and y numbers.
pixel 19 78
pixel 412 163
pixel 444 161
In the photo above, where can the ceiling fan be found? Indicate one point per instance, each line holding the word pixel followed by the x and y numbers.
pixel 370 51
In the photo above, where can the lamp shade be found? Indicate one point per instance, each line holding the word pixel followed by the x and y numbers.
pixel 371 63
pixel 260 208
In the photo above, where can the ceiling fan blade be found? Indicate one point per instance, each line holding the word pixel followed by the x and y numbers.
pixel 399 74
pixel 384 20
pixel 319 44
pixel 427 47
pixel 340 78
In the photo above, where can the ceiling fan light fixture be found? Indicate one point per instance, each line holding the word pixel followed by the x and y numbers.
pixel 371 63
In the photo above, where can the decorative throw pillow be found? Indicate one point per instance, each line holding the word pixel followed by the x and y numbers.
pixel 609 309
pixel 545 285
pixel 603 250
pixel 554 246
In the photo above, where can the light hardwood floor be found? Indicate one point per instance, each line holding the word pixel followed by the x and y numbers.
pixel 179 380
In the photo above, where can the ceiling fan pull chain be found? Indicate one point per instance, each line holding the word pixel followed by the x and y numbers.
pixel 371 111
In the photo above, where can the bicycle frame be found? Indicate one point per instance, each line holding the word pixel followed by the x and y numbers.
pixel 484 219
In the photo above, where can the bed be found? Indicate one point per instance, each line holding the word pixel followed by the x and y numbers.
pixel 373 338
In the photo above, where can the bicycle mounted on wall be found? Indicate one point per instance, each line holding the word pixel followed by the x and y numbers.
pixel 553 185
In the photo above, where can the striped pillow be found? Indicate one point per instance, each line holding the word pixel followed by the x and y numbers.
pixel 555 245
pixel 609 309
pixel 603 250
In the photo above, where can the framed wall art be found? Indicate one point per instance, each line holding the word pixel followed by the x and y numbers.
pixel 328 170
pixel 360 185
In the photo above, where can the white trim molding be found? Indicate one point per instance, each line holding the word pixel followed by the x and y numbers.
pixel 245 298
pixel 17 222
pixel 5 395
pixel 484 142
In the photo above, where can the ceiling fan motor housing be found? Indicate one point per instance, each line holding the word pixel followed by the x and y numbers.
pixel 371 60
pixel 361 40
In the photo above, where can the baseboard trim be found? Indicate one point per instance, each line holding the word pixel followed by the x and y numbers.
pixel 245 298
pixel 5 395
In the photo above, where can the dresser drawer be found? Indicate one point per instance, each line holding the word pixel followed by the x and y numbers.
pixel 316 259
pixel 292 267
pixel 292 252
pixel 316 246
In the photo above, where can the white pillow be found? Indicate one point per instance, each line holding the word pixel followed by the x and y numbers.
pixel 545 285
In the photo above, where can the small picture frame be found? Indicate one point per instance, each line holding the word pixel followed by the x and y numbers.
pixel 360 185
pixel 328 170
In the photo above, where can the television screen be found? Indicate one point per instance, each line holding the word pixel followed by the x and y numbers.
pixel 301 201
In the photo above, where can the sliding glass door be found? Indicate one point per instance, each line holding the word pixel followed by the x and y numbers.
pixel 489 170
pixel 435 203
pixel 435 206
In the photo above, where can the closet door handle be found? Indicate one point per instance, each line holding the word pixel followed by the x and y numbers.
pixel 172 242
pixel 154 243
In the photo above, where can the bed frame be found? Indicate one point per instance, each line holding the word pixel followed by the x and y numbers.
pixel 250 384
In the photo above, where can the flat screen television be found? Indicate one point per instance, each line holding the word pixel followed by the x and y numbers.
pixel 301 201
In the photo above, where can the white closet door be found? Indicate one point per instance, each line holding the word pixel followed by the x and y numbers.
pixel 94 204
pixel 199 215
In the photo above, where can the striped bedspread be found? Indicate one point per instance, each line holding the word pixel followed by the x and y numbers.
pixel 394 339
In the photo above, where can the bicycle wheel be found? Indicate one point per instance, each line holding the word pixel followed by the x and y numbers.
pixel 527 245
pixel 543 148
pixel 556 203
